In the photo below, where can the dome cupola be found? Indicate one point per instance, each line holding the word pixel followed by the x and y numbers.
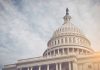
pixel 69 37
pixel 67 28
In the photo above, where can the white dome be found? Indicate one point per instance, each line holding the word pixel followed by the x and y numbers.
pixel 69 37
pixel 67 29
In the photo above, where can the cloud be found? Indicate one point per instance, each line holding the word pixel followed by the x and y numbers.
pixel 27 25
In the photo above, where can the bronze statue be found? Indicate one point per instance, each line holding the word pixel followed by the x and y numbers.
pixel 67 10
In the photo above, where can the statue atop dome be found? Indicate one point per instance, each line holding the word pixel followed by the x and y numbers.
pixel 67 10
pixel 67 17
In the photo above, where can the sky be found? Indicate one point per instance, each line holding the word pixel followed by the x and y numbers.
pixel 27 25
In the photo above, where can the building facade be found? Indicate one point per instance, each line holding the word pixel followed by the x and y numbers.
pixel 68 49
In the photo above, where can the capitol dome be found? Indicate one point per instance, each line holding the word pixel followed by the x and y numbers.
pixel 69 37
pixel 67 29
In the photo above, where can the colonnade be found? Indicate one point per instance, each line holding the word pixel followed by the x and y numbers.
pixel 66 51
pixel 54 66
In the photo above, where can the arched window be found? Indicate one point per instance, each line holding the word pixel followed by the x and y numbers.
pixel 55 42
pixel 52 52
pixel 60 51
pixel 70 49
pixel 65 50
pixel 56 51
pixel 80 50
pixel 75 49
pixel 58 41
pixel 49 53
pixel 61 40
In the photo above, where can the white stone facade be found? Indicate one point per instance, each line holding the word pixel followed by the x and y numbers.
pixel 68 49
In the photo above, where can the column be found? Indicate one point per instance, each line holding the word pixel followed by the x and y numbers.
pixel 28 68
pixel 68 50
pixel 69 65
pixel 58 51
pixel 48 67
pixel 56 66
pixel 60 66
pixel 63 51
pixel 39 67
pixel 31 68
pixel 75 66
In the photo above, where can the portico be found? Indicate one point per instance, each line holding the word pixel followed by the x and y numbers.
pixel 54 66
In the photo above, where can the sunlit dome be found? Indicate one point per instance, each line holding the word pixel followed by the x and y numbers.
pixel 69 37
pixel 67 28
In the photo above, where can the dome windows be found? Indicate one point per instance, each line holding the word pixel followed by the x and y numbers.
pixel 61 40
pixel 66 51
pixel 55 42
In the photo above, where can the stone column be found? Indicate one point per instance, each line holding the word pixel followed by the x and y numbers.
pixel 60 66
pixel 58 51
pixel 57 66
pixel 31 68
pixel 63 51
pixel 39 67
pixel 69 65
pixel 28 68
pixel 48 67
pixel 75 66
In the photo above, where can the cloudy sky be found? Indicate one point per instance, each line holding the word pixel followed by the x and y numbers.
pixel 27 25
